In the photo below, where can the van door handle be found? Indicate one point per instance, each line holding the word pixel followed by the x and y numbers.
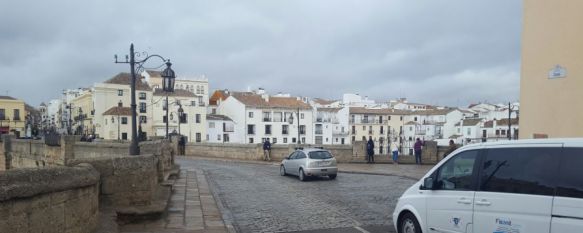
pixel 483 202
pixel 464 201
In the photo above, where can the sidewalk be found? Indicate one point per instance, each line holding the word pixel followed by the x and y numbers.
pixel 192 209
pixel 410 171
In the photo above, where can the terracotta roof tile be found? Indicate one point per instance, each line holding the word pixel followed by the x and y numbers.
pixel 122 111
pixel 254 100
pixel 218 95
pixel 470 122
pixel 329 109
pixel 323 101
pixel 125 79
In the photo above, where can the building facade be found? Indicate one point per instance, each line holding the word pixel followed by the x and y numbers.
pixel 551 71
pixel 12 116
pixel 221 129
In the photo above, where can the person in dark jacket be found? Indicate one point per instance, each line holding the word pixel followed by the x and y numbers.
pixel 417 148
pixel 266 150
pixel 370 150
pixel 452 147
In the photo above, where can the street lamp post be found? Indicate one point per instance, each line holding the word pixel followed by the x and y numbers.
pixel 180 115
pixel 509 122
pixel 168 79
pixel 137 67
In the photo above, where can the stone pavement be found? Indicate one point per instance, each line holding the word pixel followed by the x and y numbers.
pixel 192 209
pixel 411 171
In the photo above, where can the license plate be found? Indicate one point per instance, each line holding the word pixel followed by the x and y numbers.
pixel 324 170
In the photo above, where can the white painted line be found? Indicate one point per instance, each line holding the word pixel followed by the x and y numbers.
pixel 361 230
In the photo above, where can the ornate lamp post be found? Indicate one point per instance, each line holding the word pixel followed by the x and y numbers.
pixel 136 66
pixel 168 79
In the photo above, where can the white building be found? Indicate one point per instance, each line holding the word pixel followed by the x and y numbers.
pixel 221 129
pixel 468 131
pixel 404 104
pixel 192 124
pixel 331 126
pixel 355 100
pixel 115 92
pixel 494 130
pixel 258 116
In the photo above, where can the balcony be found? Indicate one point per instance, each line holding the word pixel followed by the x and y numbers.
pixel 319 131
pixel 420 132
pixel 267 119
pixel 340 133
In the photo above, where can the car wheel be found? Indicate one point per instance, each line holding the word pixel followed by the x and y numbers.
pixel 332 176
pixel 282 170
pixel 302 176
pixel 409 224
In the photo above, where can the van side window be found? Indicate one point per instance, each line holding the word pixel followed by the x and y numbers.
pixel 458 172
pixel 570 183
pixel 520 170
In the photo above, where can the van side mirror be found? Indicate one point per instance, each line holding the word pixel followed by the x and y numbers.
pixel 427 183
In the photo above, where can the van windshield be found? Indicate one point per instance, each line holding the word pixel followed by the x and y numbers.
pixel 320 155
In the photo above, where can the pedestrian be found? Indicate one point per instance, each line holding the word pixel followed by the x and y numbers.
pixel 266 150
pixel 182 145
pixel 395 150
pixel 417 148
pixel 451 148
pixel 370 150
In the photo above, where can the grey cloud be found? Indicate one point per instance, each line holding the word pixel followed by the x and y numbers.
pixel 449 52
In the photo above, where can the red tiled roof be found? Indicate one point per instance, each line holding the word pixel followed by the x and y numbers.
pixel 329 109
pixel 254 100
pixel 122 111
pixel 218 95
pixel 126 79
pixel 323 101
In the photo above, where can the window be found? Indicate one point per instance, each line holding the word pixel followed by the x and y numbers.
pixel 401 118
pixel 143 119
pixel 250 140
pixel 363 128
pixel 284 140
pixel 302 129
pixel 389 118
pixel 250 129
pixel 497 132
pixel 218 137
pixel 165 105
pixel 211 125
pixel 193 103
pixel 520 170
pixel 142 95
pixel 266 116
pixel 142 107
pixel 184 118
pixel 320 155
pixel 277 117
pixel 469 131
pixel 353 130
pixel 197 118
pixel 198 137
pixel 503 132
pixel 293 140
pixel 284 129
pixel 301 155
pixel 2 114
pixel 267 129
pixel 458 172
pixel 119 92
pixel 274 140
pixel 164 119
pixel 200 101
pixel 570 182
pixel 124 120
pixel 16 115
pixel 303 140
pixel 302 116
pixel 250 114
pixel 415 119
pixel 124 136
pixel 225 138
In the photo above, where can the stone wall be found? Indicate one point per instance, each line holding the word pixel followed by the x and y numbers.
pixel 85 150
pixel 127 180
pixel 57 199
pixel 2 155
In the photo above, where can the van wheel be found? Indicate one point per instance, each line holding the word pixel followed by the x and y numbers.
pixel 302 176
pixel 409 224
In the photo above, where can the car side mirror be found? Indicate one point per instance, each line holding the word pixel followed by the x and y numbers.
pixel 427 183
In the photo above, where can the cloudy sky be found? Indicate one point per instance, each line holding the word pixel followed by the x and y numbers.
pixel 440 52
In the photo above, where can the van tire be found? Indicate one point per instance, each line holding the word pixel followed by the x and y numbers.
pixel 409 224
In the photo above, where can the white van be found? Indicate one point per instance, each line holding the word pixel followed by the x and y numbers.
pixel 523 186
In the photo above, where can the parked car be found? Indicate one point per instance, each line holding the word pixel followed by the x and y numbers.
pixel 532 186
pixel 309 162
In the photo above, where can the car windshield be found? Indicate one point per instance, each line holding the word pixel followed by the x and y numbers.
pixel 320 155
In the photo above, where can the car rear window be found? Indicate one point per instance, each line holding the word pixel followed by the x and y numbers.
pixel 320 155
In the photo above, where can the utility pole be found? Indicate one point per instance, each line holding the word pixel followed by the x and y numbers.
pixel 509 124
pixel 299 125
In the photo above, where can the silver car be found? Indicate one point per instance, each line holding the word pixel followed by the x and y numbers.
pixel 309 162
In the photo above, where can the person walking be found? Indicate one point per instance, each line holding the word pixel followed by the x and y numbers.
pixel 395 151
pixel 417 148
pixel 451 148
pixel 266 150
pixel 370 150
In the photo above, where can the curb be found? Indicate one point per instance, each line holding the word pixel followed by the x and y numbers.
pixel 226 215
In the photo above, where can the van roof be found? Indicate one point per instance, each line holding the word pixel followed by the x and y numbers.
pixel 567 142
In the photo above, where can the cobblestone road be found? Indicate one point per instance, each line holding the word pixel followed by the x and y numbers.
pixel 257 199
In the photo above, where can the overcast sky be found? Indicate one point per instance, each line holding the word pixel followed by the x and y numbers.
pixel 452 52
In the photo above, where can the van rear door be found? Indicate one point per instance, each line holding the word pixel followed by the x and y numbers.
pixel 567 213
pixel 516 189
